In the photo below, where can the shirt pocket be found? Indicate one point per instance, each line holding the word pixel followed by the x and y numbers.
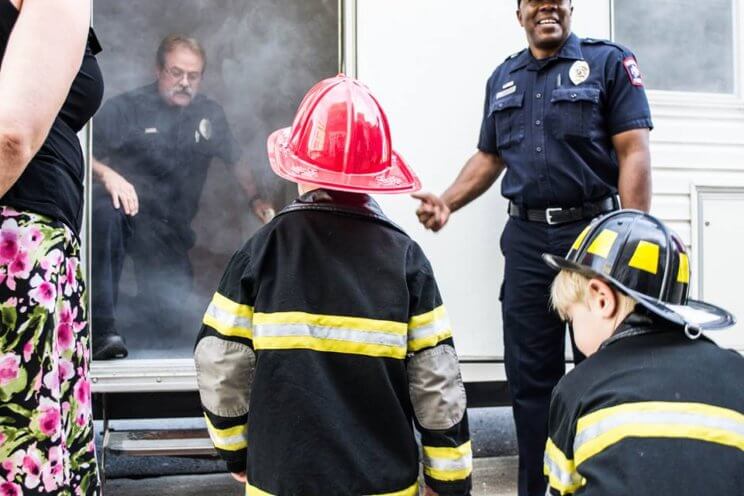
pixel 575 112
pixel 509 120
pixel 154 155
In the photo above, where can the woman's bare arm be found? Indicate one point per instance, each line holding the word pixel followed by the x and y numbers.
pixel 41 60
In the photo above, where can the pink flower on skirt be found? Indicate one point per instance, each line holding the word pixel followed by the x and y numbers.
pixel 37 383
pixel 43 292
pixel 9 368
pixel 51 263
pixel 52 473
pixel 51 382
pixel 10 212
pixel 82 392
pixel 32 468
pixel 31 238
pixel 70 279
pixel 28 350
pixel 10 489
pixel 12 463
pixel 50 418
pixel 65 336
pixel 8 241
pixel 66 370
pixel 19 268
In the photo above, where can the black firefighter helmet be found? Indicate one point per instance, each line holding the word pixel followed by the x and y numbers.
pixel 639 256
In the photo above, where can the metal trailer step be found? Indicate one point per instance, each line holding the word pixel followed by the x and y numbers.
pixel 171 442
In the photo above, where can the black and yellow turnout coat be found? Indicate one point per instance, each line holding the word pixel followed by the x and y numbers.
pixel 325 342
pixel 652 413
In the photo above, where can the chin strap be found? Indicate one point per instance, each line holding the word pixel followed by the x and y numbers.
pixel 692 331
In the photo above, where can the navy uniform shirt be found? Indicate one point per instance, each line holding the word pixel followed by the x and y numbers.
pixel 163 150
pixel 552 121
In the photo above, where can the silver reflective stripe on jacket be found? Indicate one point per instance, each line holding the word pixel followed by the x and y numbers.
pixel 224 372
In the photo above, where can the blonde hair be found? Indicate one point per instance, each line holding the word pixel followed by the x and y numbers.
pixel 570 287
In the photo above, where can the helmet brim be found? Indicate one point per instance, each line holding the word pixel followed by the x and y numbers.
pixel 704 316
pixel 399 178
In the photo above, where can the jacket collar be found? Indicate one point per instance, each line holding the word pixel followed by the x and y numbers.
pixel 571 50
pixel 641 323
pixel 342 202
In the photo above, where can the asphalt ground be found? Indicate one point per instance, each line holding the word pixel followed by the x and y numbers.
pixel 491 477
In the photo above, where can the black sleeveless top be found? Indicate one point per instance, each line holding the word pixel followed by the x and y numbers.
pixel 52 184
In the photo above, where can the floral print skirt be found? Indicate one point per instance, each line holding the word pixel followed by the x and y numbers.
pixel 46 425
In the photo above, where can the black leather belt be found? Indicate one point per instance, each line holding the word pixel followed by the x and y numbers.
pixel 559 215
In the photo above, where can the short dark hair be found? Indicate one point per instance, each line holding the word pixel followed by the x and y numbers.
pixel 519 2
pixel 172 41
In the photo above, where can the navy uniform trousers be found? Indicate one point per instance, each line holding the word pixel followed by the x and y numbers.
pixel 162 269
pixel 534 335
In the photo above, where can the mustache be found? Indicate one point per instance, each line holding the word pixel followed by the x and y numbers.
pixel 182 91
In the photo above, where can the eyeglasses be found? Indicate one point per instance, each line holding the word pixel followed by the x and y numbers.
pixel 178 74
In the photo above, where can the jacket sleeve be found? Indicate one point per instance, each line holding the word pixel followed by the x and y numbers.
pixel 435 384
pixel 559 466
pixel 225 363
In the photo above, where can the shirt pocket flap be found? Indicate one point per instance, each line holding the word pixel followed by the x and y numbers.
pixel 575 95
pixel 508 102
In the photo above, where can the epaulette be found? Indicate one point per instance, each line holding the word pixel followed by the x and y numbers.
pixel 596 41
pixel 514 55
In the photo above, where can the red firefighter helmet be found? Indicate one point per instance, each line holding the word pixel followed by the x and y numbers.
pixel 340 139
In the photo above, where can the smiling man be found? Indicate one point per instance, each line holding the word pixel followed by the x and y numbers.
pixel 568 121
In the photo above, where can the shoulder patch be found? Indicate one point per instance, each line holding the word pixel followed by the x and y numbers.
pixel 634 72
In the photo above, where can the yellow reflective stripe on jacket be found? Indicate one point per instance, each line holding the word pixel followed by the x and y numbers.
pixel 228 317
pixel 412 490
pixel 329 333
pixel 230 439
pixel 560 470
pixel 599 430
pixel 448 464
pixel 254 491
pixel 428 329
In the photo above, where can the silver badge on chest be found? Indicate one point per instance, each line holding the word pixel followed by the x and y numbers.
pixel 204 131
pixel 579 72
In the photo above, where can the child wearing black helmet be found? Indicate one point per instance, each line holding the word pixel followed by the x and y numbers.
pixel 657 408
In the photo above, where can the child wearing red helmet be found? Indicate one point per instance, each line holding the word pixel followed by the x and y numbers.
pixel 327 339
pixel 656 408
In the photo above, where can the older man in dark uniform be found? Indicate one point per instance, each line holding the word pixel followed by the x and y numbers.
pixel 153 147
pixel 568 120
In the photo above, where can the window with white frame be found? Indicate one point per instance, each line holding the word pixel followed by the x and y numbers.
pixel 681 45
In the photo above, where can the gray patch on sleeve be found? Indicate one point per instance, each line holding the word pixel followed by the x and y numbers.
pixel 436 388
pixel 224 373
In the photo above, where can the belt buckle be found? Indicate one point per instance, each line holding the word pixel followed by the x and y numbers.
pixel 549 215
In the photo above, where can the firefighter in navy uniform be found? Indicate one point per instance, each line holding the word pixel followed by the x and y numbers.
pixel 656 408
pixel 568 121
pixel 327 338
pixel 153 148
